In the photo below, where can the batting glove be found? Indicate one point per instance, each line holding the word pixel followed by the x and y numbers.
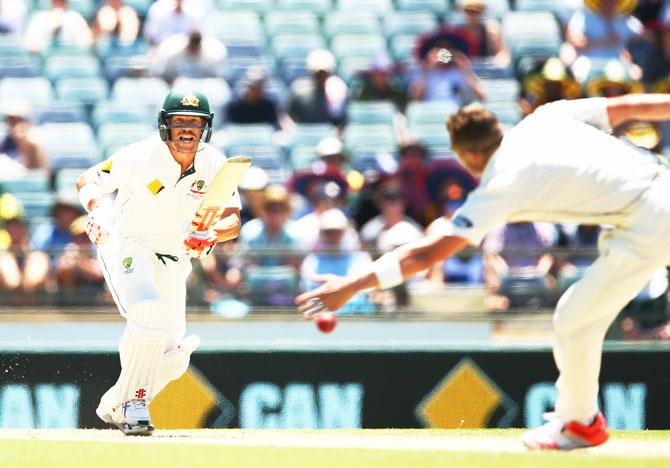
pixel 199 244
pixel 99 224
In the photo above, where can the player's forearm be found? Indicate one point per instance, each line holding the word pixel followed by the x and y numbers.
pixel 654 107
pixel 90 194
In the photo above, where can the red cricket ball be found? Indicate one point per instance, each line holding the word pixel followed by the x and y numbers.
pixel 325 321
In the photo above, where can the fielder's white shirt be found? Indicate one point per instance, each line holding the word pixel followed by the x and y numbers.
pixel 155 201
pixel 557 165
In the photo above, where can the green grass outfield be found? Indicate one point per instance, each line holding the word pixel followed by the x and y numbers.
pixel 325 448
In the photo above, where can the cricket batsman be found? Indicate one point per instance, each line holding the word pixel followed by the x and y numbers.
pixel 145 241
pixel 557 165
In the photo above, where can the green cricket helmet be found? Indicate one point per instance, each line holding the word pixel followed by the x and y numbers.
pixel 185 102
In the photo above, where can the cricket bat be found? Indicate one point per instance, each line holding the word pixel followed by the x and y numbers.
pixel 220 191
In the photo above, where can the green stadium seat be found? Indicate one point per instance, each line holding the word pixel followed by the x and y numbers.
pixel 378 7
pixel 350 22
pixel 319 7
pixel 140 6
pixel 37 90
pixel 408 23
pixel 439 7
pixel 71 66
pixel 235 27
pixel 291 22
pixel 369 137
pixel 87 91
pixel 378 112
pixel 556 7
pixel 357 45
pixel 33 181
pixel 140 91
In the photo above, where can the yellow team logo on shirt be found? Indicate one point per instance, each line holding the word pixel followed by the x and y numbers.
pixel 155 186
pixel 106 167
pixel 190 99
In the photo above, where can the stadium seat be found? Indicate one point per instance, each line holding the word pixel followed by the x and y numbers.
pixel 60 111
pixel 71 66
pixel 310 134
pixel 507 112
pixel 531 33
pixel 378 7
pixel 36 205
pixel 302 156
pixel 525 291
pixel 378 112
pixel 20 66
pixel 292 68
pixel 488 68
pixel 33 181
pixel 111 136
pixel 65 179
pixel 501 89
pixel 291 22
pixel 420 112
pixel 236 67
pixel 366 137
pixel 350 22
pixel 130 66
pixel 140 91
pixel 435 137
pixel 351 66
pixel 37 90
pixel 319 7
pixel 87 91
pixel 106 48
pixel 291 46
pixel 271 286
pixel 439 7
pixel 247 135
pixel 408 23
pixel 402 47
pixel 497 8
pixel 556 7
pixel 106 112
pixel 69 138
pixel 11 45
pixel 357 45
pixel 258 6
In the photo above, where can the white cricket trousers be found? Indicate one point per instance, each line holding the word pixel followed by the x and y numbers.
pixel 629 256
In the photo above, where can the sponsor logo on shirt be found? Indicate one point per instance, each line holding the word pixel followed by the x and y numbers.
pixel 198 189
pixel 107 167
pixel 462 222
pixel 155 186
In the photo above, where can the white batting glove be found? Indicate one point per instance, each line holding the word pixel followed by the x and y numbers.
pixel 199 244
pixel 99 224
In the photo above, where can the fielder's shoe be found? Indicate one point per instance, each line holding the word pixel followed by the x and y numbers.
pixel 558 435
pixel 133 418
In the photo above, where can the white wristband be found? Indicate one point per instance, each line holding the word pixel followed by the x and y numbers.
pixel 89 192
pixel 387 270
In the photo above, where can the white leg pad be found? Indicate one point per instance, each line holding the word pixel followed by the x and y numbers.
pixel 175 362
pixel 141 349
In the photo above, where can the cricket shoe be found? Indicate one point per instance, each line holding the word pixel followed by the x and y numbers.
pixel 559 435
pixel 133 418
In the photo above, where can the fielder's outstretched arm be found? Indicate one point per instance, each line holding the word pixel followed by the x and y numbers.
pixel 387 271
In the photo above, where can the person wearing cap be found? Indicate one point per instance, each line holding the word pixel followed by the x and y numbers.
pixel 253 106
pixel 543 81
pixel 141 203
pixel 334 258
pixel 319 98
pixel 486 30
pixel 379 83
pixel 23 142
pixel 191 55
pixel 251 188
pixel 59 24
pixel 391 203
pixel 601 30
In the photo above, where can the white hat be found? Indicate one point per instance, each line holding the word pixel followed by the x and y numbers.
pixel 333 219
pixel 17 106
pixel 321 60
pixel 255 179
pixel 329 146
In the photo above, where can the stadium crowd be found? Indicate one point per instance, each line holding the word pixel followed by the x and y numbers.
pixel 341 103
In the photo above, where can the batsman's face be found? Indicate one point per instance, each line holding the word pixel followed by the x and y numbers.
pixel 186 132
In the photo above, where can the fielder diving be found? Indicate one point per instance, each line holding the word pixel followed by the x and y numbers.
pixel 557 165
pixel 145 239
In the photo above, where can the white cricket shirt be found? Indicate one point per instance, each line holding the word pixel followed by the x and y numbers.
pixel 155 201
pixel 558 165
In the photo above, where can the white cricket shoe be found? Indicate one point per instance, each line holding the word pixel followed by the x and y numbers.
pixel 133 418
pixel 559 435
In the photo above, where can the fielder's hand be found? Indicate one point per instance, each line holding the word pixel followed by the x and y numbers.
pixel 199 244
pixel 98 225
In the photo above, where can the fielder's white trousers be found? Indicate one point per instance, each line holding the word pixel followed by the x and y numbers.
pixel 629 256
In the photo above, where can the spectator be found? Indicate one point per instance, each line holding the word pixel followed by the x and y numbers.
pixel 334 258
pixel 650 12
pixel 377 233
pixel 656 65
pixel 514 253
pixel 251 189
pixel 486 30
pixel 60 25
pixel 116 21
pixel 253 106
pixel 49 239
pixel 413 170
pixel 168 17
pixel 601 30
pixel 446 74
pixel 331 153
pixel 379 83
pixel 77 271
pixel 22 144
pixel 12 16
pixel 14 244
pixel 319 98
pixel 545 81
pixel 189 55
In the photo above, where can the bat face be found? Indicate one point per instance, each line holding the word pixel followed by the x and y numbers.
pixel 219 193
